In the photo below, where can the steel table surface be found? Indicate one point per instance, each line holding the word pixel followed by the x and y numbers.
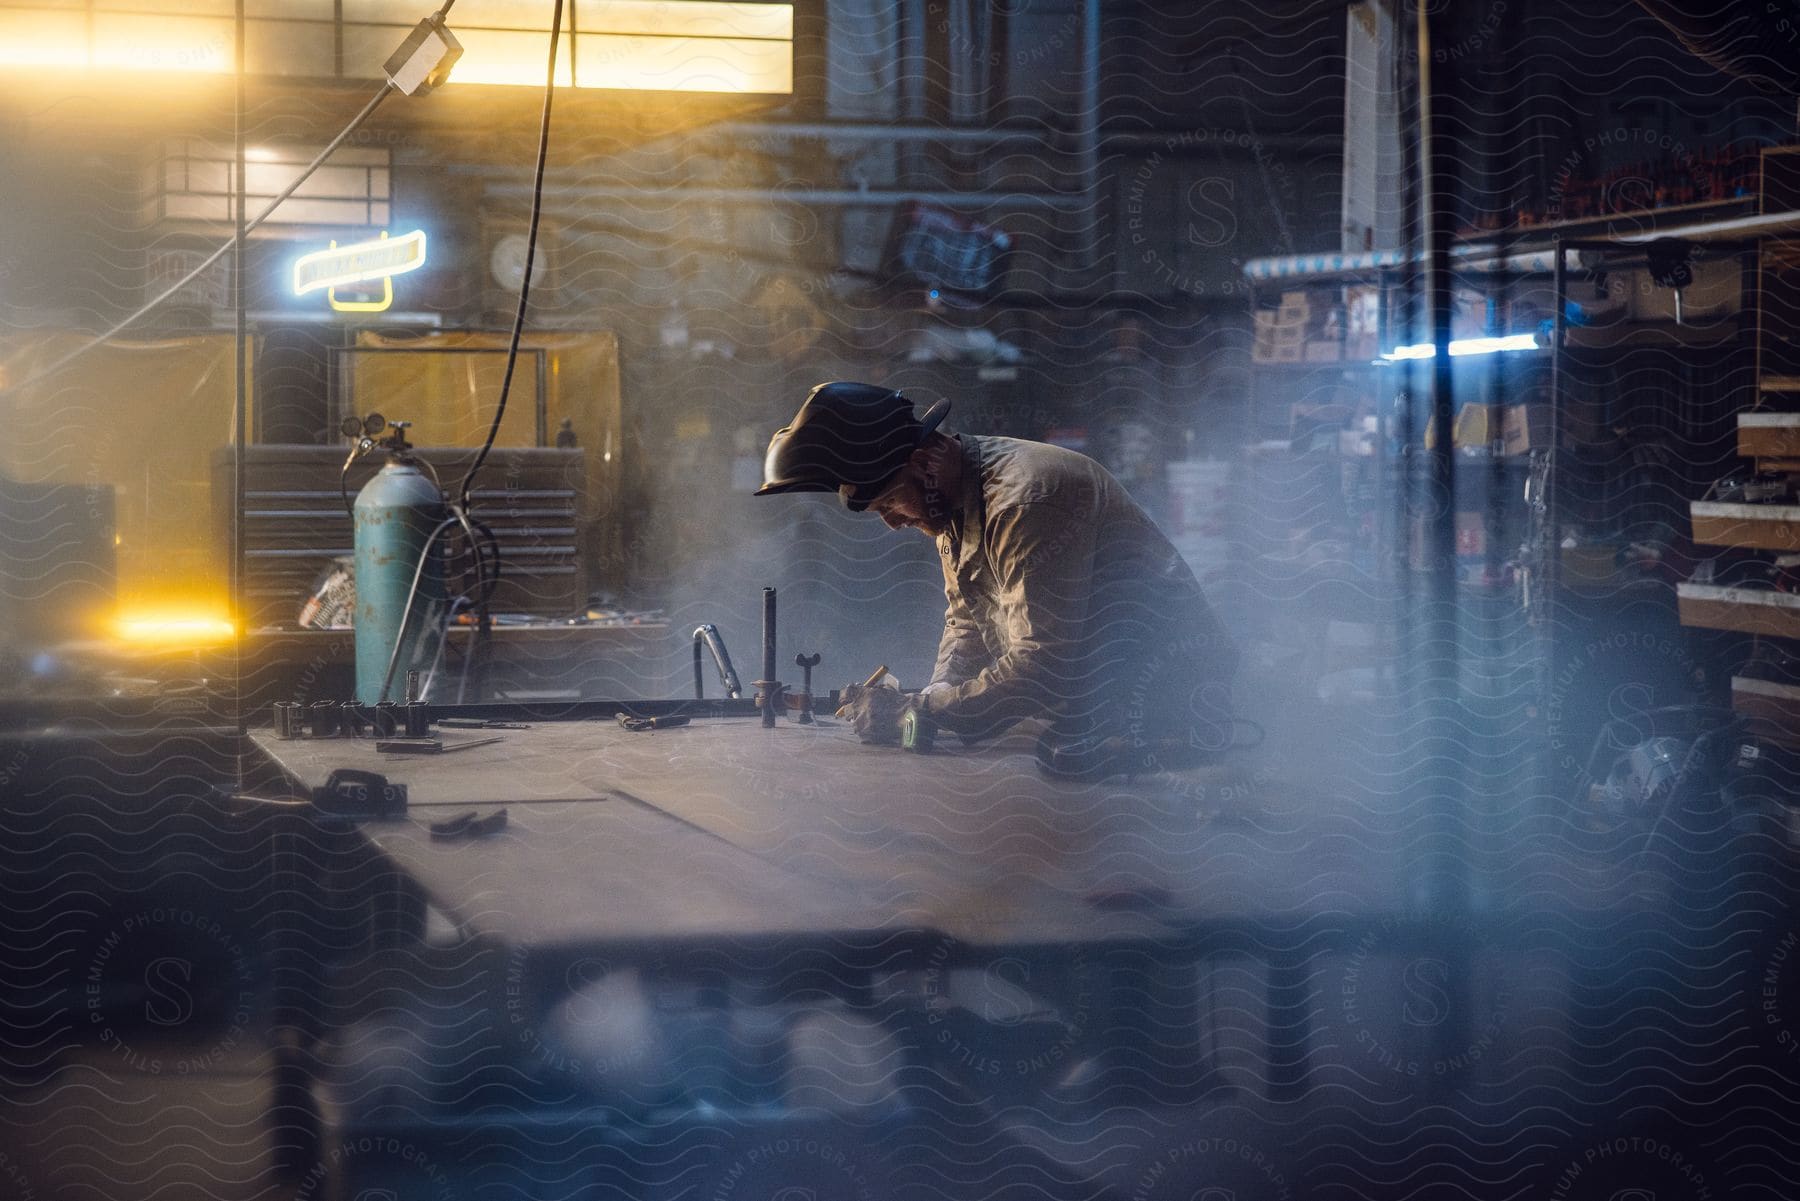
pixel 973 844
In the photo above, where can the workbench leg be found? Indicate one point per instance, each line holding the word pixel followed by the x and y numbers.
pixel 294 999
pixel 1289 1024
pixel 1153 1009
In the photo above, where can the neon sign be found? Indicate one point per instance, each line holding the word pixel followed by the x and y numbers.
pixel 383 258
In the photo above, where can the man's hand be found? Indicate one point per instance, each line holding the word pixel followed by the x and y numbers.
pixel 874 713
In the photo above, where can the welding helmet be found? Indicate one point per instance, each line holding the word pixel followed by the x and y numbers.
pixel 848 438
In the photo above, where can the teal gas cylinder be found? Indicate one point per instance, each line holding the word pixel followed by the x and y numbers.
pixel 396 513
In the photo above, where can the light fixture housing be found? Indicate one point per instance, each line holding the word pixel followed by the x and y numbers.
pixel 424 59
pixel 1462 347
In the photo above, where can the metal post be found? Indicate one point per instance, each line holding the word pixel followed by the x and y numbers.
pixel 239 609
pixel 1087 132
pixel 769 687
pixel 1442 882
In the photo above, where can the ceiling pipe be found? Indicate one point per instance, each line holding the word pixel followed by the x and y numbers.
pixel 1087 133
pixel 850 197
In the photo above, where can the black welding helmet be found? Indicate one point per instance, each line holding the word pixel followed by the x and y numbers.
pixel 848 438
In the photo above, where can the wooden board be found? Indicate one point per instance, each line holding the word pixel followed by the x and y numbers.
pixel 1746 610
pixel 1773 709
pixel 1766 527
pixel 1765 435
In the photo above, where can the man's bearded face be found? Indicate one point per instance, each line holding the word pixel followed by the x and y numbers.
pixel 913 499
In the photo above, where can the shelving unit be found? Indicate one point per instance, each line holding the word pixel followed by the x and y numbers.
pixel 1746 527
pixel 1773 709
pixel 1760 611
pixel 1592 468
pixel 1768 434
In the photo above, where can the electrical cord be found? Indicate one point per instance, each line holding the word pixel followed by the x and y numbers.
pixel 459 508
pixel 485 580
pixel 344 484
pixel 412 592
pixel 531 237
pixel 294 186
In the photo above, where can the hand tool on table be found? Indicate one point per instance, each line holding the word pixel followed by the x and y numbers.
pixel 768 694
pixel 666 722
pixel 429 746
pixel 468 825
pixel 850 694
pixel 706 638
pixel 289 719
pixel 917 731
pixel 806 663
pixel 351 792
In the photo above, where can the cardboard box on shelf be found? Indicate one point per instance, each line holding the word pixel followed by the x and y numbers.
pixel 1589 562
pixel 1471 534
pixel 1362 322
pixel 1304 328
pixel 1528 428
pixel 1471 538
pixel 1477 425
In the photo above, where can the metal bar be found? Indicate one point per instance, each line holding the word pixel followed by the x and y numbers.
pixel 1486 256
pixel 584 195
pixel 240 392
pixel 1442 878
pixel 768 671
pixel 542 358
pixel 1087 133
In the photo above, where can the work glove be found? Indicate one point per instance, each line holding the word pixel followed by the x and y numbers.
pixel 874 712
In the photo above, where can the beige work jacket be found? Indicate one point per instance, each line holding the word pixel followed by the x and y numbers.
pixel 1064 600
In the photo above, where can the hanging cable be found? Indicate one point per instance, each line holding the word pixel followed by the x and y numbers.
pixel 306 173
pixel 486 579
pixel 531 237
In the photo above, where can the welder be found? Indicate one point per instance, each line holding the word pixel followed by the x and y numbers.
pixel 1065 603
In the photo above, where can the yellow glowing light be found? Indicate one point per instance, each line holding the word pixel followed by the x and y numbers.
pixel 116 41
pixel 173 628
pixel 363 306
pixel 635 45
pixel 378 259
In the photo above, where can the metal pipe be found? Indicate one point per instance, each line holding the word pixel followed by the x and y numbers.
pixel 1087 131
pixel 1442 880
pixel 769 686
pixel 707 636
pixel 1537 259
pixel 583 195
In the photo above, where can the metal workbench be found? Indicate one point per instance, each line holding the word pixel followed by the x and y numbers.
pixel 973 844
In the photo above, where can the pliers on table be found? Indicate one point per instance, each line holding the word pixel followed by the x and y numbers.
pixel 468 825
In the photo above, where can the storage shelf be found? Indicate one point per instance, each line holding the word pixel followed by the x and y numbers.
pixel 1748 527
pixel 1744 610
pixel 1773 709
pixel 1766 435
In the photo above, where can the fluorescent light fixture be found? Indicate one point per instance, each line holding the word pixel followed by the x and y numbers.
pixel 163 628
pixel 381 258
pixel 1464 346
pixel 654 45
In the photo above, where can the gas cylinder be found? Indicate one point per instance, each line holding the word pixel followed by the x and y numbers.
pixel 395 514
